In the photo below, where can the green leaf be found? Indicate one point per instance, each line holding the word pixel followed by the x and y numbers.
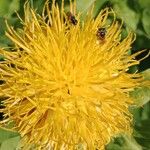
pixel 4 41
pixel 83 6
pixel 4 7
pixel 38 5
pixel 144 3
pixel 10 144
pixel 8 139
pixel 3 26
pixel 141 95
pixel 5 135
pixel 13 6
pixel 7 10
pixel 123 142
pixel 97 6
pixel 146 21
pixel 7 7
pixel 146 74
pixel 129 16
pixel 1 59
pixel 142 126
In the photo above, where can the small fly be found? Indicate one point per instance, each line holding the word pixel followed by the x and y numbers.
pixel 101 33
pixel 72 18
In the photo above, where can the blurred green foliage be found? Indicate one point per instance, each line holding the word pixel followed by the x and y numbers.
pixel 136 17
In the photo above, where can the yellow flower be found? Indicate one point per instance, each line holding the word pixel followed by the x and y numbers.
pixel 66 81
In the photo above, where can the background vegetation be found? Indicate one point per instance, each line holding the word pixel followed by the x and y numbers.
pixel 136 17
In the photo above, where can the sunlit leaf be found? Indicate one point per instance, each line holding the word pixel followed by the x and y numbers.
pixel 7 7
pixel 5 135
pixel 129 16
pixel 83 6
pixel 146 74
pixel 97 6
pixel 13 6
pixel 10 144
pixel 141 95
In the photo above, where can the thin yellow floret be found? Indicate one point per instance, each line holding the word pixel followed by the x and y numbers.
pixel 64 87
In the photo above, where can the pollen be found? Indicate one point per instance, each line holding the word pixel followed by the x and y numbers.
pixel 64 87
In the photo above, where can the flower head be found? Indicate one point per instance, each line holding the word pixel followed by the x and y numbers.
pixel 66 82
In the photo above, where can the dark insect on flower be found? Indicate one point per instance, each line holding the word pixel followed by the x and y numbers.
pixel 101 33
pixel 68 92
pixel 72 18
